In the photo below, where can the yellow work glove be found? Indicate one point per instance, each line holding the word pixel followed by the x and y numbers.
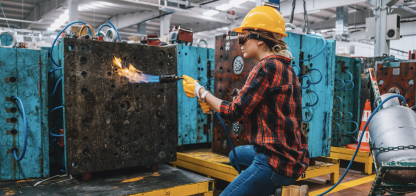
pixel 205 107
pixel 191 86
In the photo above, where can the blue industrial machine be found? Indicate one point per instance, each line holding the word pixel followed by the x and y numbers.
pixel 314 62
pixel 24 151
pixel 347 111
pixel 193 125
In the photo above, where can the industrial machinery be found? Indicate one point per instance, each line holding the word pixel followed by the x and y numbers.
pixel 151 40
pixel 181 35
pixel 313 62
pixel 231 72
pixel 393 136
pixel 24 151
pixel 193 125
pixel 109 121
pixel 347 92
pixel 397 77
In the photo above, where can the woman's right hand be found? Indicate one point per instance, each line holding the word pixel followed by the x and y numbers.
pixel 191 86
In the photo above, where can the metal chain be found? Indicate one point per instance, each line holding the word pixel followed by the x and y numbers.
pixel 305 19
pixel 293 11
pixel 388 149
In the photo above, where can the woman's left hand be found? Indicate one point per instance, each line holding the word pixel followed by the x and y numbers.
pixel 205 107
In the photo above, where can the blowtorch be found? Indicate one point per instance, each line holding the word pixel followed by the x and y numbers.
pixel 169 78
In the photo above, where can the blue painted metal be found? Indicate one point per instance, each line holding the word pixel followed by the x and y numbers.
pixel 350 100
pixel 193 62
pixel 275 2
pixel 29 67
pixel 57 119
pixel 6 39
pixel 318 130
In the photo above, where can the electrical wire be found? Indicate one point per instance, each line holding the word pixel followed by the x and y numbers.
pixel 320 79
pixel 25 128
pixel 104 25
pixel 348 80
pixel 57 37
pixel 119 38
pixel 340 99
pixel 201 80
pixel 323 48
pixel 307 82
pixel 53 70
pixel 4 15
pixel 297 66
pixel 56 86
pixel 356 125
pixel 351 82
pixel 53 141
pixel 50 132
pixel 59 107
pixel 346 116
pixel 343 85
pixel 339 117
pixel 231 142
pixel 359 141
pixel 305 114
pixel 317 98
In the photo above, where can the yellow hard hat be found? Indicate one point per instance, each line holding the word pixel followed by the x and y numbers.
pixel 265 18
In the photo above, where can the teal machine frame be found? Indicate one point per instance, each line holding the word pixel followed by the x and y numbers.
pixel 198 63
pixel 317 94
pixel 24 73
pixel 347 111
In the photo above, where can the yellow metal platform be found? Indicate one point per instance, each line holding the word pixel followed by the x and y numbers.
pixel 218 166
pixel 346 154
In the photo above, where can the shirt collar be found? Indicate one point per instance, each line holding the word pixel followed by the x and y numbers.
pixel 278 57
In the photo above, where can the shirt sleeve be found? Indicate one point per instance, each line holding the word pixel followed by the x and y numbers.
pixel 254 91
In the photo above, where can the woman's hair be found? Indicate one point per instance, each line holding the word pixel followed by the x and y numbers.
pixel 274 42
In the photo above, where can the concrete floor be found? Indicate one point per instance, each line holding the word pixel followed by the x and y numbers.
pixel 355 183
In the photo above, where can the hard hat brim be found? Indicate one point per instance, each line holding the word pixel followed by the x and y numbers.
pixel 240 30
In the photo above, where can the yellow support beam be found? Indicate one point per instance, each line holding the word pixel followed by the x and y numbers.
pixel 205 188
pixel 362 157
pixel 227 173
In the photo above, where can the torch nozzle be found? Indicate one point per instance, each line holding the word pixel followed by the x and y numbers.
pixel 169 78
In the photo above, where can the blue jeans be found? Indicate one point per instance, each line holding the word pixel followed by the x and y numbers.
pixel 258 178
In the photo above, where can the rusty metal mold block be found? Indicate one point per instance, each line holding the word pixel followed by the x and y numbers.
pixel 399 78
pixel 231 72
pixel 109 122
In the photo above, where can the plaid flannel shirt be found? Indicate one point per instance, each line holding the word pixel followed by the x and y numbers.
pixel 270 104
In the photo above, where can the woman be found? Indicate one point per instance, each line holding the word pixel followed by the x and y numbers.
pixel 269 104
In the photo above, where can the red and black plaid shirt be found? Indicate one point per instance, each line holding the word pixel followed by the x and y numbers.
pixel 270 104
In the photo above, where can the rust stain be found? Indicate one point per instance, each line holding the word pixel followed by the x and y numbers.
pixel 11 192
pixel 140 178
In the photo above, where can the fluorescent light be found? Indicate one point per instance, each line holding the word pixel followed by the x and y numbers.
pixel 62 19
pixel 314 11
pixel 224 7
pixel 210 12
pixel 237 2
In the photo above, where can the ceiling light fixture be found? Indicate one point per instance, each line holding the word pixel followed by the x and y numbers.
pixel 63 18
pixel 210 12
pixel 224 7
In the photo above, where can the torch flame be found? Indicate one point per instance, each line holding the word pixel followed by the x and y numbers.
pixel 134 75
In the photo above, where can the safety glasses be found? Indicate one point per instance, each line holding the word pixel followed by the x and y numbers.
pixel 242 39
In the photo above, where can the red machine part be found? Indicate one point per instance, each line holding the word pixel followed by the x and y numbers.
pixel 398 80
pixel 184 35
pixel 99 38
pixel 61 139
pixel 152 40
